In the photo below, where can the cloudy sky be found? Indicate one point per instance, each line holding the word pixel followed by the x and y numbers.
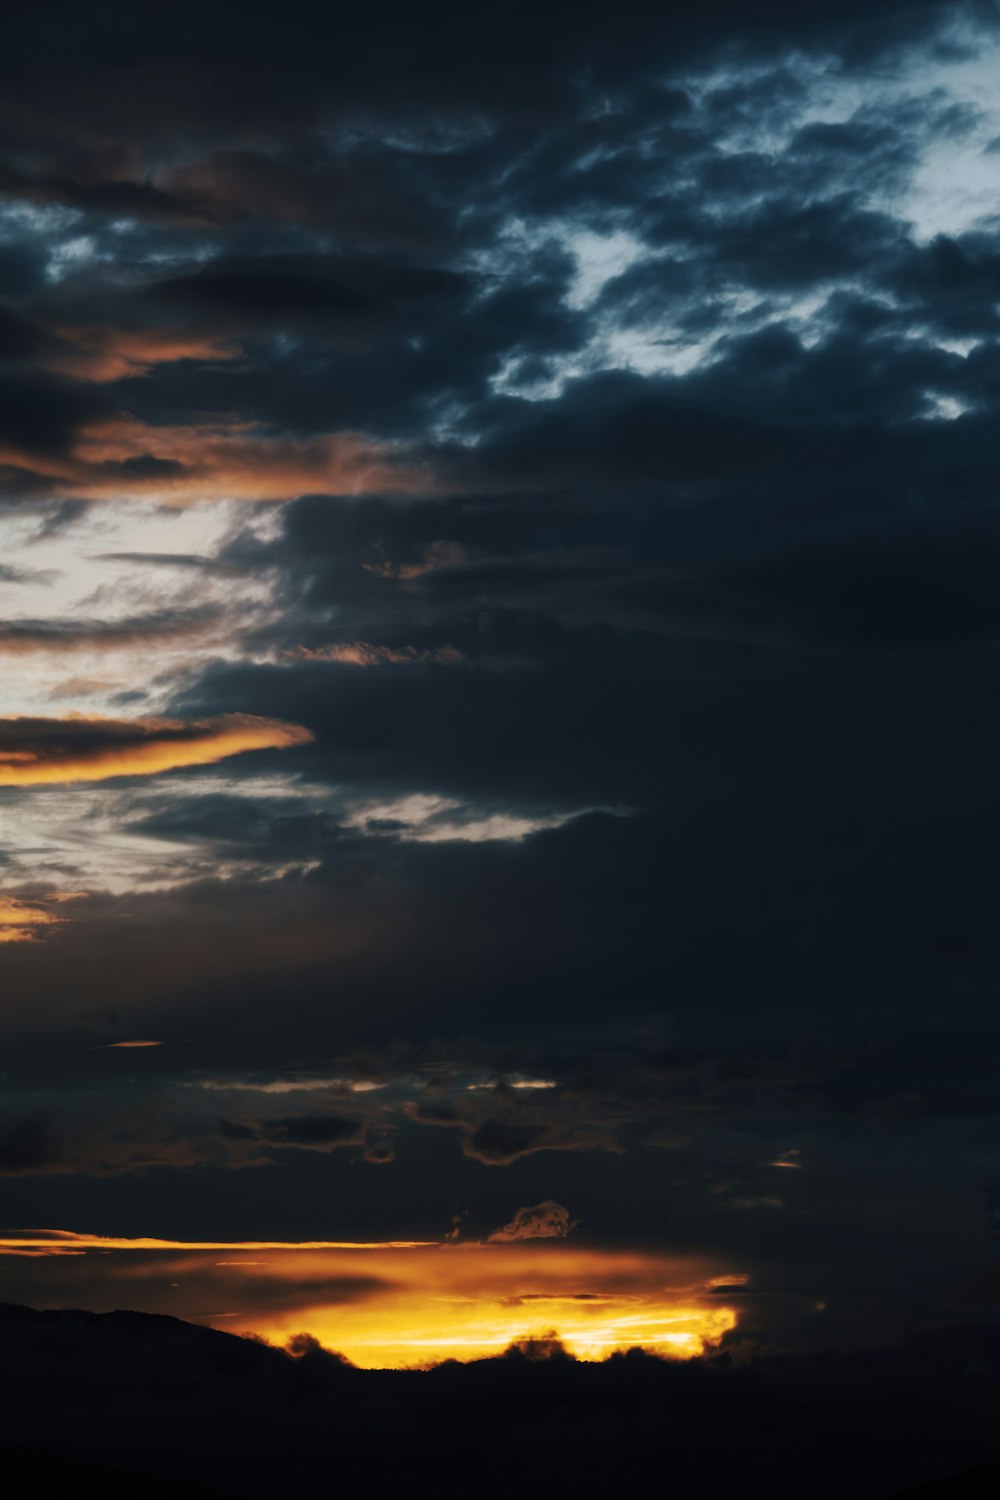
pixel 500 639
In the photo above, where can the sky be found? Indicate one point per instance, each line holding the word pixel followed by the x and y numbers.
pixel 499 644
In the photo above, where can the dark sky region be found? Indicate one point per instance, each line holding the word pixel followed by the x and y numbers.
pixel 500 635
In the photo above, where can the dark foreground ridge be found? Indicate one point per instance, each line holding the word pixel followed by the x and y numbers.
pixel 120 1404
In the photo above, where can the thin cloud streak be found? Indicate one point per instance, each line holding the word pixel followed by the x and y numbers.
pixel 35 752
pixel 66 1241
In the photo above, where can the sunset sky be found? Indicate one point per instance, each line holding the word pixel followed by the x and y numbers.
pixel 500 670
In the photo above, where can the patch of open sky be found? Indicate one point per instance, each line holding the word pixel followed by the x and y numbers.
pixel 62 248
pixel 83 838
pixel 957 182
pixel 655 351
pixel 804 316
pixel 952 185
pixel 811 92
pixel 599 258
pixel 944 408
pixel 662 347
pixel 962 347
pixel 41 219
pixel 71 256
pixel 62 837
pixel 422 818
pixel 767 121
pixel 183 252
pixel 78 246
pixel 121 559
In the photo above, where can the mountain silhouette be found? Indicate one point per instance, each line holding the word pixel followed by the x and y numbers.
pixel 123 1404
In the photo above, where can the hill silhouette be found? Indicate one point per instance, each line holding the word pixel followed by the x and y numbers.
pixel 122 1403
pixel 976 1484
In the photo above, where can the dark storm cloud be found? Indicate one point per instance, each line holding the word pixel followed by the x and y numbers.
pixel 307 292
pixel 305 1132
pixel 498 1136
pixel 768 417
pixel 576 939
pixel 141 1124
pixel 608 430
pixel 110 196
pixel 914 588
pixel 97 1141
pixel 41 415
pixel 573 1084
pixel 360 194
pixel 196 75
pixel 584 958
pixel 26 1145
pixel 637 439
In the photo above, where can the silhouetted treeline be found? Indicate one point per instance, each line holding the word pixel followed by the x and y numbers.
pixel 124 1403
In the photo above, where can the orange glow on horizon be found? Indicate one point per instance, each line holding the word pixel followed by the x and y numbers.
pixel 408 1331
pixel 406 1304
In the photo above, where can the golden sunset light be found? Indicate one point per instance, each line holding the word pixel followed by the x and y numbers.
pixel 424 1328
pixel 399 1305
pixel 80 748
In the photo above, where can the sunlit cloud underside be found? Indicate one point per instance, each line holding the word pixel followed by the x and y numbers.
pixel 77 748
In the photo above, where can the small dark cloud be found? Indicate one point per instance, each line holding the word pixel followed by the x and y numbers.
pixel 313 1132
pixel 545 1221
pixel 40 416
